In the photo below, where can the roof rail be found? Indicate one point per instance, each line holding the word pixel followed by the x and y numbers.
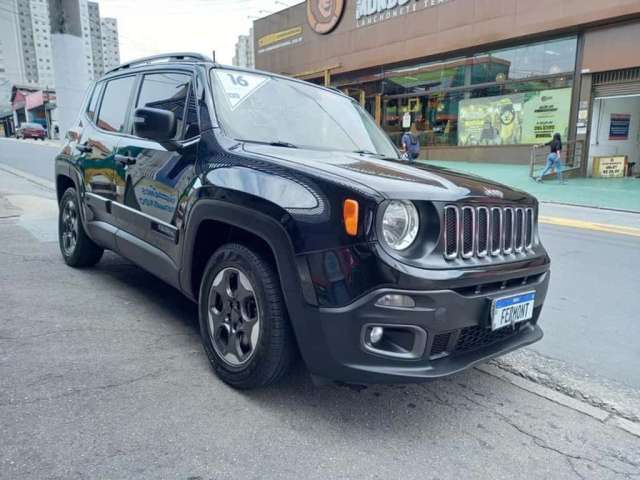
pixel 179 56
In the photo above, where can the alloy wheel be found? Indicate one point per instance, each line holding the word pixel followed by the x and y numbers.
pixel 233 317
pixel 69 227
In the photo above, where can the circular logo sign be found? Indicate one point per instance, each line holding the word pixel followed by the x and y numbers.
pixel 324 15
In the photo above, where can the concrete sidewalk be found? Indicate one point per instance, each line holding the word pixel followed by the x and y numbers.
pixel 613 193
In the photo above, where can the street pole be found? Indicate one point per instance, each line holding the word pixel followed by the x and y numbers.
pixel 69 63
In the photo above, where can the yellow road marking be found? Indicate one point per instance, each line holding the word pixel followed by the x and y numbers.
pixel 598 227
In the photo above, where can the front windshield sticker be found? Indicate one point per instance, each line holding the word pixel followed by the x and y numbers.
pixel 238 86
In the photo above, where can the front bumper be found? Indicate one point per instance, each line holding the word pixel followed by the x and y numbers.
pixel 457 326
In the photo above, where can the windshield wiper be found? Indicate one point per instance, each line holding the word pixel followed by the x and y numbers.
pixel 368 152
pixel 279 143
pixel 275 143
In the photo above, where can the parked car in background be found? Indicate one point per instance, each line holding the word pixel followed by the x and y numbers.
pixel 31 130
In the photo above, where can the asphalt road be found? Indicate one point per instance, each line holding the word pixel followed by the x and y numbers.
pixel 102 375
pixel 591 315
pixel 32 156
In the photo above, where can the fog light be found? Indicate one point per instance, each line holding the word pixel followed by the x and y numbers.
pixel 395 300
pixel 375 335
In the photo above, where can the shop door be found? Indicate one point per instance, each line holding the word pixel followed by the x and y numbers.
pixel 615 131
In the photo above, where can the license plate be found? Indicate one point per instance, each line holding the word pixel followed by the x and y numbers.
pixel 511 310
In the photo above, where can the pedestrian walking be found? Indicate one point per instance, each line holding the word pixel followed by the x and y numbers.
pixel 410 144
pixel 554 158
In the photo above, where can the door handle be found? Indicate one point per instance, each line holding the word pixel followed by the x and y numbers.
pixel 84 148
pixel 125 160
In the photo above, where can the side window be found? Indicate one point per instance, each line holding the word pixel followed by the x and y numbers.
pixel 92 107
pixel 113 109
pixel 171 91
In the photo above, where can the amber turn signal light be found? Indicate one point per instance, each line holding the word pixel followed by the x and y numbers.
pixel 350 215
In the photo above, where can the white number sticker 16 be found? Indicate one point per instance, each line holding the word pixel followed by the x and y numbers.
pixel 238 86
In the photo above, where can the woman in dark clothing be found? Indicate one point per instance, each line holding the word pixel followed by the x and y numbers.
pixel 553 159
pixel 411 143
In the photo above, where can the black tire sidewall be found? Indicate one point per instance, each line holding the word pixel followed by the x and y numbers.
pixel 86 252
pixel 69 194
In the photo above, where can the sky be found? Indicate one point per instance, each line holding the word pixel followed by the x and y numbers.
pixel 148 27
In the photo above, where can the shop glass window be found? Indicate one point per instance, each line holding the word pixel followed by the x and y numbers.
pixel 517 113
pixel 435 117
pixel 520 113
pixel 114 105
pixel 170 91
pixel 425 78
pixel 551 57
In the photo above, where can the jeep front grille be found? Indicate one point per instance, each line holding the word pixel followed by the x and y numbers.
pixel 472 231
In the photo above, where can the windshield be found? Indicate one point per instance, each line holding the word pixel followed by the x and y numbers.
pixel 260 108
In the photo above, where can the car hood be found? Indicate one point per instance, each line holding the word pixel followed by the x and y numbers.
pixel 394 179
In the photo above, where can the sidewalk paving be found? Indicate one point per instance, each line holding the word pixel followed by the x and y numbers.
pixel 612 193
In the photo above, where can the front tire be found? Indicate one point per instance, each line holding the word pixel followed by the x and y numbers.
pixel 243 319
pixel 77 249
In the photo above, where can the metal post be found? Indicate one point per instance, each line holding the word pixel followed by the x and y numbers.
pixel 327 77
pixel 532 161
pixel 69 61
pixel 378 109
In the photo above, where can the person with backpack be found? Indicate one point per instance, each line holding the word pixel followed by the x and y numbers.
pixel 554 158
pixel 410 144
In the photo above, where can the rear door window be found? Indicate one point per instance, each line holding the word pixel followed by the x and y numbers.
pixel 92 108
pixel 172 92
pixel 115 102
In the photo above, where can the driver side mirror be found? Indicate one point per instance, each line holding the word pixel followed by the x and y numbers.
pixel 157 125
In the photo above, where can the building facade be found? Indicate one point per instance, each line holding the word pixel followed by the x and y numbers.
pixel 94 28
pixel 244 52
pixel 11 62
pixel 481 81
pixel 27 50
pixel 35 37
pixel 110 43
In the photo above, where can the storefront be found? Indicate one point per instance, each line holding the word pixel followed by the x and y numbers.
pixel 33 105
pixel 481 81
pixel 7 128
pixel 609 110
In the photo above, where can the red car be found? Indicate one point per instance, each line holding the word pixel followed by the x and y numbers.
pixel 31 130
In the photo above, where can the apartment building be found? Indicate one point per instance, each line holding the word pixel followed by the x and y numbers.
pixel 94 29
pixel 244 55
pixel 35 39
pixel 110 43
pixel 25 40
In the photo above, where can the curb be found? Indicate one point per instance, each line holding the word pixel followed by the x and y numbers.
pixel 48 143
pixel 41 182
pixel 593 226
pixel 561 399
pixel 607 209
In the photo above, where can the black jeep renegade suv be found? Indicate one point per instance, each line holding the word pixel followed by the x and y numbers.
pixel 286 213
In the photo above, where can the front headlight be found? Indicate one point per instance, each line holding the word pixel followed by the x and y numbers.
pixel 400 224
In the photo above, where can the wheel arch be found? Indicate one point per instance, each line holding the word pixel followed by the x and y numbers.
pixel 65 176
pixel 63 182
pixel 213 223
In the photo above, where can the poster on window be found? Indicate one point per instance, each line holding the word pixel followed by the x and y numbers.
pixel 619 126
pixel 521 118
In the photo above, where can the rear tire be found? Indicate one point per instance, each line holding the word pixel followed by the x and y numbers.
pixel 77 249
pixel 244 326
